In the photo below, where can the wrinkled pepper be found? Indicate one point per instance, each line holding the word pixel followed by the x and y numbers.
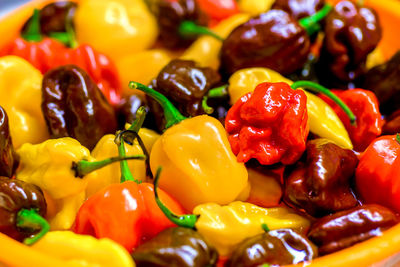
pixel 322 118
pixel 20 85
pixel 377 175
pixel 226 226
pixel 299 8
pixel 184 153
pixel 9 158
pixel 132 27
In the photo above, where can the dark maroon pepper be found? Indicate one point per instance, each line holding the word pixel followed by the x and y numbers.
pixel 16 195
pixel 384 81
pixel 74 106
pixel 392 124
pixel 176 246
pixel 9 158
pixel 299 8
pixel 184 84
pixel 273 40
pixel 346 228
pixel 351 33
pixel 321 184
pixel 276 247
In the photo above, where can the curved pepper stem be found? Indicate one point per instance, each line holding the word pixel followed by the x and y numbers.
pixel 67 38
pixel 311 23
pixel 265 227
pixel 171 113
pixel 187 221
pixel 323 90
pixel 398 138
pixel 213 93
pixel 188 28
pixel 84 167
pixel 32 33
pixel 30 219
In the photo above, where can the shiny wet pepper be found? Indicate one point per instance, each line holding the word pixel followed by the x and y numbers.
pixel 270 124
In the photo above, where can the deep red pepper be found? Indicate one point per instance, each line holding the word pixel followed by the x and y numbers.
pixel 269 124
pixel 365 106
pixel 219 9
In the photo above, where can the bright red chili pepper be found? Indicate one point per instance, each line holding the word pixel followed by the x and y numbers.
pixel 365 106
pixel 378 172
pixel 269 124
pixel 219 9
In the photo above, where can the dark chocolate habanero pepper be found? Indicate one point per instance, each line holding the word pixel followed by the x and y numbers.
pixel 9 158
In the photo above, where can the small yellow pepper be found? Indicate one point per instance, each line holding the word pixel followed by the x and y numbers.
pixel 205 50
pixel 149 137
pixel 322 119
pixel 21 90
pixel 115 27
pixel 255 7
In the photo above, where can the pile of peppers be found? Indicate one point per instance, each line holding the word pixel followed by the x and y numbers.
pixel 195 133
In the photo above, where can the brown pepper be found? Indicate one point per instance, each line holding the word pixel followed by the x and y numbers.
pixel 273 40
pixel 321 184
pixel 74 106
pixel 346 228
pixel 276 247
pixel 392 124
pixel 9 158
pixel 299 8
pixel 16 195
pixel 176 246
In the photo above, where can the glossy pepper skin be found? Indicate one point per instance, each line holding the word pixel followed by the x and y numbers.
pixel 276 247
pixel 218 9
pixel 369 120
pixel 384 81
pixel 73 106
pixel 270 124
pixel 351 33
pixel 126 213
pixel 177 246
pixel 16 195
pixel 9 158
pixel 185 84
pixel 378 175
pixel 346 228
pixel 273 40
pixel 321 184
pixel 299 8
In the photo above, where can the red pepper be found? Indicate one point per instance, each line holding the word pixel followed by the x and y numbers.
pixel 365 106
pixel 46 54
pixel 378 172
pixel 218 9
pixel 269 124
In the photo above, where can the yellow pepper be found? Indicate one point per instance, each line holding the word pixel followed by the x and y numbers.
pixel 322 119
pixel 255 7
pixel 64 249
pixel 21 90
pixel 115 27
pixel 205 50
pixel 149 137
pixel 198 163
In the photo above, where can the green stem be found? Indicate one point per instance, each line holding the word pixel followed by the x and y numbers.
pixel 29 218
pixel 32 33
pixel 67 38
pixel 207 109
pixel 398 138
pixel 221 91
pixel 171 113
pixel 188 29
pixel 265 227
pixel 311 23
pixel 84 167
pixel 187 221
pixel 325 91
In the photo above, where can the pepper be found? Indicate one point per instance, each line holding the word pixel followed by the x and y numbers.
pixel 132 27
pixel 220 9
pixel 276 247
pixel 49 165
pixel 9 159
pixel 392 124
pixel 377 175
pixel 322 119
pixel 347 228
pixel 226 226
pixel 255 7
pixel 299 8
pixel 351 33
pixel 368 124
pixel 20 86
pixel 177 246
pixel 22 208
pixel 321 183
pixel 184 153
pixel 74 106
pixel 45 54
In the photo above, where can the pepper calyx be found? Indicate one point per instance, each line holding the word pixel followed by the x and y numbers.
pixel 32 33
pixel 30 219
pixel 311 23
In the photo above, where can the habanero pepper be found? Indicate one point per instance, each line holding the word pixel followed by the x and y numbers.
pixel 218 9
pixel 9 158
pixel 299 8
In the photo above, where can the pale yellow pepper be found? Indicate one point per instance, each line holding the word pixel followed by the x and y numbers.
pixel 226 226
pixel 255 7
pixel 205 50
pixel 21 96
pixel 115 27
pixel 322 119
pixel 149 137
